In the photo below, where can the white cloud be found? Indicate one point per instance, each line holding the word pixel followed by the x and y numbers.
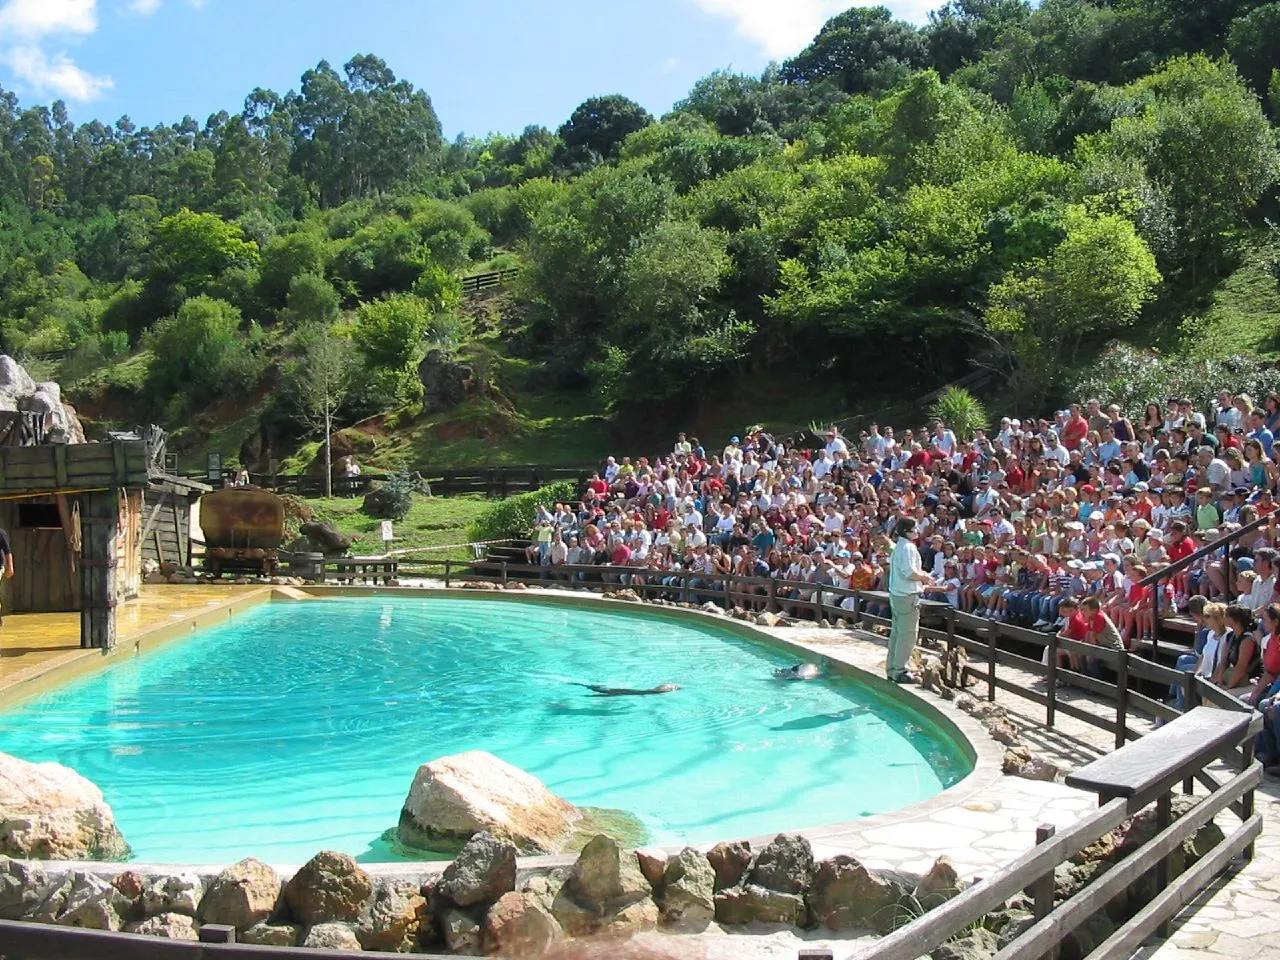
pixel 783 28
pixel 54 76
pixel 144 8
pixel 38 18
pixel 25 28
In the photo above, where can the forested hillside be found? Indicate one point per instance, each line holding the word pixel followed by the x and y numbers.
pixel 1008 185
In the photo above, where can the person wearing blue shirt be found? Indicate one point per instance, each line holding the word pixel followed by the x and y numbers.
pixel 1110 448
pixel 1258 431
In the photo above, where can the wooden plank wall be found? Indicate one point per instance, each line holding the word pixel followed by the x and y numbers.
pixel 42 576
pixel 165 527
pixel 73 466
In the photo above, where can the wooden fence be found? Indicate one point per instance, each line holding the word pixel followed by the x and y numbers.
pixel 444 482
pixel 483 281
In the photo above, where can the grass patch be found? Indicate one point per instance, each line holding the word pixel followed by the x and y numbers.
pixel 432 522
pixel 1244 316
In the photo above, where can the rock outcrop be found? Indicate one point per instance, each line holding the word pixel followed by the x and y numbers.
pixel 454 798
pixel 50 812
pixel 18 392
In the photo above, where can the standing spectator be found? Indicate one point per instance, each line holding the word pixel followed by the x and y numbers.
pixel 907 582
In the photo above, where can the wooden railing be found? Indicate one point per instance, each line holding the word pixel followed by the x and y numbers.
pixel 501 481
pixel 482 281
pixel 1222 544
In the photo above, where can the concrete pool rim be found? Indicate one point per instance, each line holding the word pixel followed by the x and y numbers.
pixel 963 732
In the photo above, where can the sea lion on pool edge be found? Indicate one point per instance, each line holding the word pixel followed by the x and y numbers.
pixel 801 671
pixel 602 691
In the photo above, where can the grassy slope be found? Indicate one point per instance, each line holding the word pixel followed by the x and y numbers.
pixel 432 522
pixel 1245 313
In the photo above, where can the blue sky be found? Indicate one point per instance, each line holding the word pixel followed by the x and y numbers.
pixel 489 65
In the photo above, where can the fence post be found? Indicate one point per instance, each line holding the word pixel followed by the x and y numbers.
pixel 1042 889
pixel 1122 701
pixel 1164 817
pixel 1246 801
pixel 504 573
pixel 772 604
pixel 448 567
pixel 1051 681
pixel 991 662
pixel 728 599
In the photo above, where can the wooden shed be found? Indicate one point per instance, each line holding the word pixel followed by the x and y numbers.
pixel 73 513
pixel 166 525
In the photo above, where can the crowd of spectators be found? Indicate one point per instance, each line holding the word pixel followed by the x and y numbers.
pixel 1054 524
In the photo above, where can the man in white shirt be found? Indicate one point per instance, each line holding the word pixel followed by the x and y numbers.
pixel 1264 566
pixel 907 583
pixel 944 439
pixel 610 470
pixel 822 466
pixel 835 446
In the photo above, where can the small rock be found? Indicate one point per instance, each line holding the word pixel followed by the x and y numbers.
pixel 653 864
pixel 331 936
pixel 244 894
pixel 767 619
pixel 730 862
pixel 965 703
pixel 752 904
pixel 688 891
pixel 129 884
pixel 1019 762
pixel 605 874
pixel 179 893
pixel 94 904
pixel 635 917
pixel 170 926
pixel 785 865
pixel 977 944
pixel 939 885
pixel 23 886
pixel 462 933
pixel 397 919
pixel 519 925
pixel 330 886
pixel 483 871
pixel 845 895
pixel 271 935
pixel 1002 730
pixel 712 608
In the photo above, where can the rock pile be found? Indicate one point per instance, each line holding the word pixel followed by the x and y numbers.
pixel 20 393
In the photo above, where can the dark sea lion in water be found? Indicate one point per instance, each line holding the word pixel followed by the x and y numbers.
pixel 801 671
pixel 602 691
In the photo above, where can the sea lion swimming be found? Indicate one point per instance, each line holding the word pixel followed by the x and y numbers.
pixel 801 671
pixel 602 691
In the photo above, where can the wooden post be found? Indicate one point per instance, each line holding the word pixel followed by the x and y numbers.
pixel 1042 889
pixel 772 604
pixel 216 933
pixel 1246 801
pixel 991 662
pixel 1122 700
pixel 1051 682
pixel 100 523
pixel 1164 817
pixel 448 566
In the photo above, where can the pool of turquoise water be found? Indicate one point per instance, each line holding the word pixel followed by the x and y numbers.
pixel 298 726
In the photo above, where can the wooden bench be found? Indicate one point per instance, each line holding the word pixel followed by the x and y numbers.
pixel 1140 772
pixel 368 569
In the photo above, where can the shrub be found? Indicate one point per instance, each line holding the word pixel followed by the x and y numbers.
pixel 512 518
pixel 961 411
pixel 392 499
pixel 1133 377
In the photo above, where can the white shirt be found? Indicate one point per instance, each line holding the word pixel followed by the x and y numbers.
pixel 905 563
pixel 1261 593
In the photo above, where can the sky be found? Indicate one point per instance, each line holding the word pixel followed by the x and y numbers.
pixel 488 65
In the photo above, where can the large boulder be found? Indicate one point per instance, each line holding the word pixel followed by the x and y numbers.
pixel 752 904
pixel 50 812
pixel 730 861
pixel 14 380
pixel 445 383
pixel 179 893
pixel 845 895
pixel 785 865
pixel 688 891
pixel 518 925
pixel 23 886
pixel 606 876
pixel 397 919
pixel 456 797
pixel 330 886
pixel 170 926
pixel 483 871
pixel 242 895
pixel 326 536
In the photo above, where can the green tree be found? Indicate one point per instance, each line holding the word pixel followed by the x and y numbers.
pixel 312 301
pixel 389 332
pixel 194 248
pixel 863 49
pixel 1254 45
pixel 317 381
pixel 201 353
pixel 1095 281
pixel 596 129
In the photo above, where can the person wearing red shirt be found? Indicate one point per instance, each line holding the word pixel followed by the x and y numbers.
pixel 1076 628
pixel 919 458
pixel 1075 429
